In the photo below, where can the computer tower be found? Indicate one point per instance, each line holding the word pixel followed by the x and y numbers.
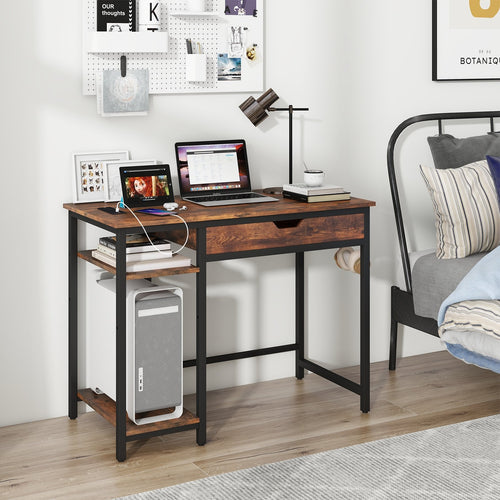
pixel 154 365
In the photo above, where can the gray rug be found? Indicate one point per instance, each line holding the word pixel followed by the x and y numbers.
pixel 459 461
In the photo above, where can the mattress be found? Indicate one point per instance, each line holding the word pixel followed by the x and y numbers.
pixel 434 279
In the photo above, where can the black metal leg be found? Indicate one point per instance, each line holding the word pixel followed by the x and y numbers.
pixel 121 350
pixel 201 336
pixel 299 313
pixel 365 318
pixel 72 317
pixel 393 344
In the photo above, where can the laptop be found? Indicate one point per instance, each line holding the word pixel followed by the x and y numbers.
pixel 213 173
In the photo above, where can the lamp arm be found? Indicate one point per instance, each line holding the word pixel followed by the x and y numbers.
pixel 293 108
pixel 290 110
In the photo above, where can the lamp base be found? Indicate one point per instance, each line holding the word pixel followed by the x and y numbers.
pixel 273 190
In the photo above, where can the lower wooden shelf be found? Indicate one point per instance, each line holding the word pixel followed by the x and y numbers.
pixel 106 407
pixel 153 273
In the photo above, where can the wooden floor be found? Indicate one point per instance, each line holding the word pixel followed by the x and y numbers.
pixel 247 426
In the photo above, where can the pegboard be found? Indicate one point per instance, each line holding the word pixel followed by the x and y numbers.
pixel 167 69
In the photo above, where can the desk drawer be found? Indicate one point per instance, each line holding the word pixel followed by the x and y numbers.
pixel 262 235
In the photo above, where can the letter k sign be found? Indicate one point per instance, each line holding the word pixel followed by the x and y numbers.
pixel 153 13
pixel 478 11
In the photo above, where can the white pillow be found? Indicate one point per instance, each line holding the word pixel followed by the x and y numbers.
pixel 466 209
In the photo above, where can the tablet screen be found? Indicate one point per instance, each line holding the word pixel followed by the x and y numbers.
pixel 146 185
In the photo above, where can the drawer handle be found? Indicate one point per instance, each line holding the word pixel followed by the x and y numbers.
pixel 282 224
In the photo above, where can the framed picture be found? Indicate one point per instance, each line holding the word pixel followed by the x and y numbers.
pixel 89 174
pixel 112 184
pixel 241 8
pixel 465 38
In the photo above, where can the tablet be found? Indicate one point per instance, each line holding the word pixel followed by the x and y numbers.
pixel 146 185
pixel 154 211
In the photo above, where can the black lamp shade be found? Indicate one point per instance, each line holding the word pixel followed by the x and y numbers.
pixel 255 110
pixel 268 98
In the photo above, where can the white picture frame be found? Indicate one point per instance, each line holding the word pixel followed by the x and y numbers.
pixel 112 183
pixel 88 174
pixel 465 40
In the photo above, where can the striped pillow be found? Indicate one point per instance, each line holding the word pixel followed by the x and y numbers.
pixel 466 209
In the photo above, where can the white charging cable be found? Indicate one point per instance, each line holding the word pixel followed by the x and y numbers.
pixel 120 203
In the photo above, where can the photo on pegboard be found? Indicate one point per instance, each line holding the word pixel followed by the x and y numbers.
pixel 228 68
pixel 241 8
pixel 123 95
pixel 236 40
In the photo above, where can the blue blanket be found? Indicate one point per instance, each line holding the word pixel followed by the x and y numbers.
pixel 481 283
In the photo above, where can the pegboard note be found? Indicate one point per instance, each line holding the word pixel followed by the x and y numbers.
pixel 231 42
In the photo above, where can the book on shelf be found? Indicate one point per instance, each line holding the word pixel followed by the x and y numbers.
pixel 116 15
pixel 136 243
pixel 301 188
pixel 136 256
pixel 346 195
pixel 146 265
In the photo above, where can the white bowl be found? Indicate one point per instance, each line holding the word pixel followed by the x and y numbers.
pixel 313 178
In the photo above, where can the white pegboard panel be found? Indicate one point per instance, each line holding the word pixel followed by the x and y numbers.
pixel 167 70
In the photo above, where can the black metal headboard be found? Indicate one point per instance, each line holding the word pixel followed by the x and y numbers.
pixel 439 118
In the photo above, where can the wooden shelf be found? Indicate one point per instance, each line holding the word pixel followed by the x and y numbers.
pixel 106 407
pixel 152 273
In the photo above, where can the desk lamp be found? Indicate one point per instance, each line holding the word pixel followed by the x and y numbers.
pixel 256 111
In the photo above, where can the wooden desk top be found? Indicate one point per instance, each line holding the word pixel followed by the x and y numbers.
pixel 197 215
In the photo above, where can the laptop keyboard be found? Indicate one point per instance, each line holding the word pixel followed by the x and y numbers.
pixel 238 196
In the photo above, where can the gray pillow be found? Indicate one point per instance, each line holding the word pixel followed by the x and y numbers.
pixel 450 152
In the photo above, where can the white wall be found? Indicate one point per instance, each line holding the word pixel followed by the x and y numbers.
pixel 361 67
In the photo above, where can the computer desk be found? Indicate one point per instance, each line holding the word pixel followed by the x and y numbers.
pixel 216 234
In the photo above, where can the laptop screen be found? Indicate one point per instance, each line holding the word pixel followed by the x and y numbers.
pixel 212 167
pixel 146 185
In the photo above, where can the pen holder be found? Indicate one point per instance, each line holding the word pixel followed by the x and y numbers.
pixel 196 67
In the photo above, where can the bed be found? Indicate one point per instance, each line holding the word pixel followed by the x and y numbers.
pixel 452 291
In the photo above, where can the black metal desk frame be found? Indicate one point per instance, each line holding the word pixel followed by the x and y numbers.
pixel 202 259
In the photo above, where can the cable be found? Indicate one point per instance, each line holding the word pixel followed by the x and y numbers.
pixel 120 203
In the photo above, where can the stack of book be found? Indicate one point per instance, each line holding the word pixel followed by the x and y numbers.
pixel 140 254
pixel 301 192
